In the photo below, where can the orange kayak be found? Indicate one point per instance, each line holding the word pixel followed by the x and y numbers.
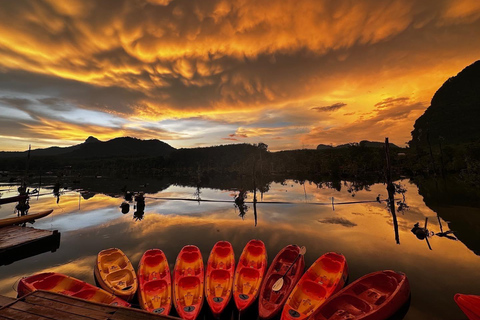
pixel 60 283
pixel 115 273
pixel 375 296
pixel 188 278
pixel 249 274
pixel 24 218
pixel 470 305
pixel 325 277
pixel 271 302
pixel 219 278
pixel 154 282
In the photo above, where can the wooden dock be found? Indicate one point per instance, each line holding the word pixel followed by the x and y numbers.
pixel 43 305
pixel 18 243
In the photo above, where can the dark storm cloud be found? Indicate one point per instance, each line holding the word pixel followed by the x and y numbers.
pixel 331 108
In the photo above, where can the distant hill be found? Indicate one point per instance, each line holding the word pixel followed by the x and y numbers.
pixel 94 148
pixel 363 143
pixel 454 113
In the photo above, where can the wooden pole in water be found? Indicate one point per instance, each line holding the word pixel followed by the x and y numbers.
pixel 391 190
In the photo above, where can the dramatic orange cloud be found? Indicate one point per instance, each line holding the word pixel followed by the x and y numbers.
pixel 291 74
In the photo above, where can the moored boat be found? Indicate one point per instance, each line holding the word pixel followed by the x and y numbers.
pixel 115 273
pixel 249 274
pixel 63 284
pixel 375 296
pixel 25 218
pixel 325 277
pixel 154 282
pixel 470 305
pixel 13 199
pixel 270 302
pixel 188 278
pixel 219 277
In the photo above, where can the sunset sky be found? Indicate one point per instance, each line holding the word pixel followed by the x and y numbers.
pixel 292 74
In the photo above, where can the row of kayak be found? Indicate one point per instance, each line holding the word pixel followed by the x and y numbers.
pixel 284 288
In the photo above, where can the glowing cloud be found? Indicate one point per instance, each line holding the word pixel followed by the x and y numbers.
pixel 254 66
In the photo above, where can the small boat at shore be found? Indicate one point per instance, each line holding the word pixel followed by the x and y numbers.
pixel 219 276
pixel 25 218
pixel 470 305
pixel 63 284
pixel 115 273
pixel 13 199
pixel 375 296
pixel 188 279
pixel 249 274
pixel 270 302
pixel 325 277
pixel 154 282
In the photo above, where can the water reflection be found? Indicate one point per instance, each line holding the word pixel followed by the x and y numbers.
pixel 361 230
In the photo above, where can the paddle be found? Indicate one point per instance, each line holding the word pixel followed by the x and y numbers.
pixel 279 283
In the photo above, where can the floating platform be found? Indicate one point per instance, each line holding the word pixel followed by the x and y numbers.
pixel 18 243
pixel 43 305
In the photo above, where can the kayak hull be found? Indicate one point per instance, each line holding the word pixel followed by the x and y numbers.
pixel 326 276
pixel 188 281
pixel 154 282
pixel 270 302
pixel 375 296
pixel 470 305
pixel 249 274
pixel 115 273
pixel 63 284
pixel 25 218
pixel 219 277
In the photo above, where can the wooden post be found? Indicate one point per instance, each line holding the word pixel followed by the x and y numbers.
pixel 391 190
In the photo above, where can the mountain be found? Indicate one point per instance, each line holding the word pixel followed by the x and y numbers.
pixel 454 113
pixel 363 143
pixel 94 148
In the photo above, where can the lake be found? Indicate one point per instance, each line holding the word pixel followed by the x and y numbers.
pixel 289 212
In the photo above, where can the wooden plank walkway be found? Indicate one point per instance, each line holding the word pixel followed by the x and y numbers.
pixel 18 243
pixel 44 305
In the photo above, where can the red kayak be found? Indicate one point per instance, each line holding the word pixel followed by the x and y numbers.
pixel 188 279
pixel 219 278
pixel 60 283
pixel 270 302
pixel 325 277
pixel 154 282
pixel 249 274
pixel 469 304
pixel 375 296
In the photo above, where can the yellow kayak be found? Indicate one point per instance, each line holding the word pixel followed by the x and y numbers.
pixel 115 273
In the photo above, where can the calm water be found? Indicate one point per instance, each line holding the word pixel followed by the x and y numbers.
pixel 363 232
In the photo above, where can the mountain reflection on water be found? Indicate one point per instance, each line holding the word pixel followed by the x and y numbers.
pixel 310 213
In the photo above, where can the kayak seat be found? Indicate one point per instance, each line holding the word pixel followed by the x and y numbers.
pixel 85 294
pixel 190 257
pixel 220 275
pixel 49 282
pixel 255 250
pixel 121 279
pixel 222 252
pixel 331 266
pixel 112 261
pixel 155 287
pixel 152 261
pixel 373 297
pixel 313 289
pixel 345 307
